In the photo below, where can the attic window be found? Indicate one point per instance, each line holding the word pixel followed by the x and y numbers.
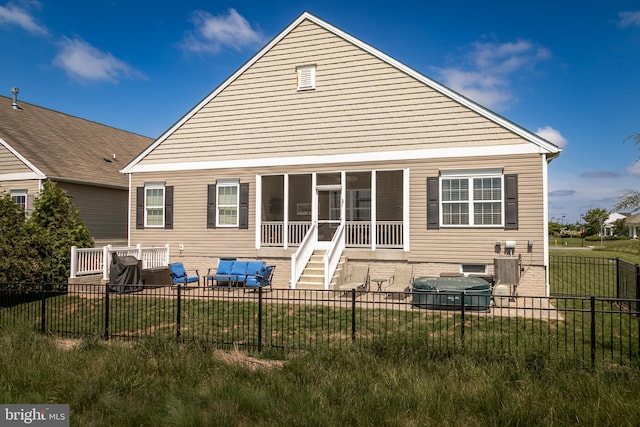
pixel 306 77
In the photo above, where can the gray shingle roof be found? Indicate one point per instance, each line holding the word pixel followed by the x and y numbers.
pixel 69 148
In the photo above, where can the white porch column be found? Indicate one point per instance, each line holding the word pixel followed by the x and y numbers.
pixel 373 233
pixel 405 211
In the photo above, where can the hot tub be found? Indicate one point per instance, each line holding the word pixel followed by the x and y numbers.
pixel 450 292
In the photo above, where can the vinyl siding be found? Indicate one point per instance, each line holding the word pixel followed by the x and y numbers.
pixel 477 245
pixel 446 245
pixel 103 210
pixel 190 216
pixel 9 163
pixel 31 185
pixel 360 104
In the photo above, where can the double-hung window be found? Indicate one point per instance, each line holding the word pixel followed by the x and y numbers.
pixel 19 197
pixel 154 205
pixel 227 203
pixel 472 198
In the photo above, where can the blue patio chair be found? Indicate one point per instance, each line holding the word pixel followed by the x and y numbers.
pixel 179 275
pixel 261 279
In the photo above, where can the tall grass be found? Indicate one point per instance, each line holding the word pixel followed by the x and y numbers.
pixel 155 382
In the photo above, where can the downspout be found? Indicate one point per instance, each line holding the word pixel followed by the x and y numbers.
pixel 129 214
pixel 545 222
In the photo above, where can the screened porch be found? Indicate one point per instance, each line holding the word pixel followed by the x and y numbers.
pixel 370 204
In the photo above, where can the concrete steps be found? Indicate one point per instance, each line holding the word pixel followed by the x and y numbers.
pixel 313 274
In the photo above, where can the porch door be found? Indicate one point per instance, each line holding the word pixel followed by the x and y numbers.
pixel 329 212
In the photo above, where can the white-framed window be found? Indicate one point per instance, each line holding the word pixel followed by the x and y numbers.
pixel 306 77
pixel 472 198
pixel 19 197
pixel 154 204
pixel 227 203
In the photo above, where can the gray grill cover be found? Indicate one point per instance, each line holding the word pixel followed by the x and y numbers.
pixel 126 274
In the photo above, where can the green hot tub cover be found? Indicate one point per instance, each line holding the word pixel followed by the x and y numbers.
pixel 447 292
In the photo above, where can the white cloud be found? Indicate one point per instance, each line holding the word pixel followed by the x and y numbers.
pixel 629 19
pixel 634 169
pixel 85 62
pixel 552 135
pixel 489 68
pixel 10 14
pixel 212 33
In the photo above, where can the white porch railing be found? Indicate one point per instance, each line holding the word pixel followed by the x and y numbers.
pixel 86 261
pixel 389 234
pixel 302 256
pixel 272 233
pixel 331 258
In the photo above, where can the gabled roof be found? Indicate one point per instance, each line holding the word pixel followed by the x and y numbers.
pixel 544 146
pixel 66 148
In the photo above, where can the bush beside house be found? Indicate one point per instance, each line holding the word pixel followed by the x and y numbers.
pixel 36 248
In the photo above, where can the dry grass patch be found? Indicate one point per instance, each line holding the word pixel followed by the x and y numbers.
pixel 237 358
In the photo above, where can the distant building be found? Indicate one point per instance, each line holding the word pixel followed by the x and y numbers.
pixel 83 158
pixel 608 227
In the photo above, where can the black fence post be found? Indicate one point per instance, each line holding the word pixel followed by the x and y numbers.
pixel 353 315
pixel 617 277
pixel 178 314
pixel 43 308
pixel 106 312
pixel 637 287
pixel 259 319
pixel 462 293
pixel 593 332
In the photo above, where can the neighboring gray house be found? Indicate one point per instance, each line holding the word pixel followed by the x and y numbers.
pixel 81 156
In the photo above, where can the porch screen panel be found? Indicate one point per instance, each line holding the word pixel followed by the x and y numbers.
pixel 389 208
pixel 273 198
pixel 299 206
pixel 358 209
pixel 389 195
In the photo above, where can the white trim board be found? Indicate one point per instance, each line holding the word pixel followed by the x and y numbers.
pixel 382 156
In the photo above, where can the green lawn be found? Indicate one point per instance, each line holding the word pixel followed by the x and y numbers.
pixel 162 383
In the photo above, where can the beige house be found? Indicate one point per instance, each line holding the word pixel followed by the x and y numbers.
pixel 321 142
pixel 82 157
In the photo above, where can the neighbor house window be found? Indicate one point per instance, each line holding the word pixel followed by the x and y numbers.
pixel 19 197
pixel 472 199
pixel 154 205
pixel 306 77
pixel 227 203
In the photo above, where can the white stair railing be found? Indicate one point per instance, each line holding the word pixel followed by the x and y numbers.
pixel 331 258
pixel 302 256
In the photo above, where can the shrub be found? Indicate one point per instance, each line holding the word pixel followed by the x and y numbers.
pixel 38 248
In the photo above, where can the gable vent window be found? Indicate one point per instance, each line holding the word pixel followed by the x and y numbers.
pixel 306 77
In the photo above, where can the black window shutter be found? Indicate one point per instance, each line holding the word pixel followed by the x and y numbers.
pixel 211 206
pixel 139 208
pixel 433 203
pixel 243 217
pixel 511 202
pixel 168 207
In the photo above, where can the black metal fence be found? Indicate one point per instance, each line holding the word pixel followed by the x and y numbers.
pixel 591 330
pixel 600 277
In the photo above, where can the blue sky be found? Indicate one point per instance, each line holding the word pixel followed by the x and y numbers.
pixel 568 70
